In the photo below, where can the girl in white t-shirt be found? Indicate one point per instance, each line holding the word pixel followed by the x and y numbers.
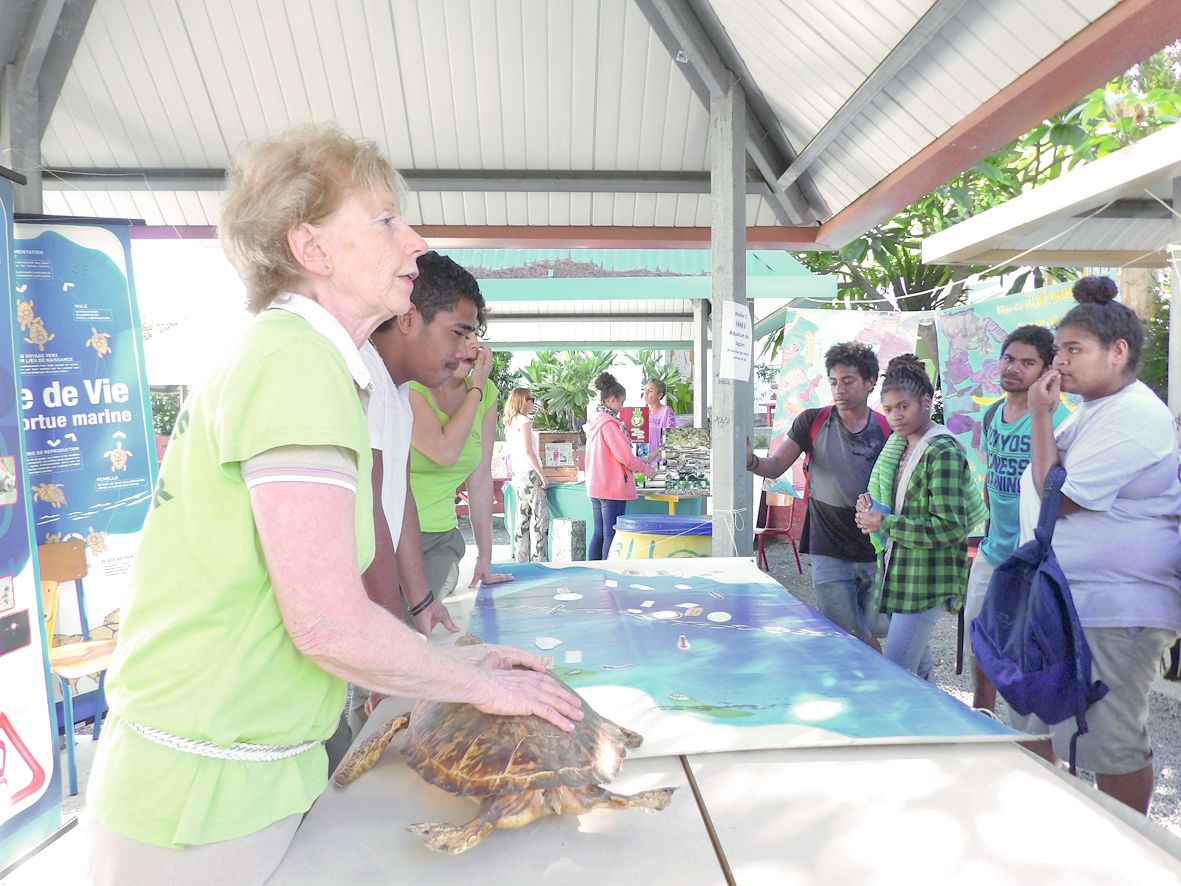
pixel 1116 536
pixel 532 542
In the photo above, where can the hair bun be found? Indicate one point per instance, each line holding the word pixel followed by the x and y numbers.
pixel 605 381
pixel 906 362
pixel 1095 290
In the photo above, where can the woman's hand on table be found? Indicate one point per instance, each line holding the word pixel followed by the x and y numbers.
pixel 435 614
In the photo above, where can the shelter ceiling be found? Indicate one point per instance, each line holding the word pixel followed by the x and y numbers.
pixel 568 121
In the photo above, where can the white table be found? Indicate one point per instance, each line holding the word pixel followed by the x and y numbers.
pixel 888 814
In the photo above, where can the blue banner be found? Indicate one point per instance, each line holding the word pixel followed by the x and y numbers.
pixel 85 399
pixel 30 788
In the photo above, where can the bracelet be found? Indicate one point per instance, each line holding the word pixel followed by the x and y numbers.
pixel 479 388
pixel 755 469
pixel 422 604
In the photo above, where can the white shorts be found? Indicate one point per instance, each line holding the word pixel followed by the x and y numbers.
pixel 978 579
pixel 1116 743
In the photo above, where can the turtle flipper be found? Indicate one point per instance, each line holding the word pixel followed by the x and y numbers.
pixel 361 759
pixel 498 811
pixel 452 838
pixel 576 801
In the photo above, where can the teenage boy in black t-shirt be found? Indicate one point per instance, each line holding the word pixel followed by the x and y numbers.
pixel 842 442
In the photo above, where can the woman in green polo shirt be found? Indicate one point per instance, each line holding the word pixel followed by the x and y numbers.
pixel 247 613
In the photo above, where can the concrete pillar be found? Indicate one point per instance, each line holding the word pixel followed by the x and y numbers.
pixel 700 379
pixel 733 400
pixel 1175 311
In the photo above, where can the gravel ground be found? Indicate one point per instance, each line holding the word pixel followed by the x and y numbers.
pixel 1164 716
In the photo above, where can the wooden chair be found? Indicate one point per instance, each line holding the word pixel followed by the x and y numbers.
pixel 61 562
pixel 762 531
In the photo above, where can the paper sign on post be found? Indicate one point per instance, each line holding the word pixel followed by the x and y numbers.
pixel 737 339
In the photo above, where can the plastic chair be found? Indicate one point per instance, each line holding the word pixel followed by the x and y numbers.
pixel 61 562
pixel 762 531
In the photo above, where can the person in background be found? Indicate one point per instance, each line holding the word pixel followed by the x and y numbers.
pixel 1025 355
pixel 610 465
pixel 842 451
pixel 532 541
pixel 454 432
pixel 922 478
pixel 1116 538
pixel 247 614
pixel 425 345
pixel 660 416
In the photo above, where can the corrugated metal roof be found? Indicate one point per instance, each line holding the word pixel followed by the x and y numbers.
pixel 546 86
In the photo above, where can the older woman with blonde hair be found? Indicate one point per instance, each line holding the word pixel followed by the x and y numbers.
pixel 247 614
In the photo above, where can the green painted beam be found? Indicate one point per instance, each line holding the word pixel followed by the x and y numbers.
pixel 656 288
pixel 591 346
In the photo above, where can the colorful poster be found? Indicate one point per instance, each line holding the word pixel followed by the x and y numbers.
pixel 803 378
pixel 30 790
pixel 84 396
pixel 685 652
pixel 970 339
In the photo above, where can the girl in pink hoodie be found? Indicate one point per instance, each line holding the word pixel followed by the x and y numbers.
pixel 610 464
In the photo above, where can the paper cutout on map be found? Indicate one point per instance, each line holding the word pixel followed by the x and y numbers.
pixel 724 664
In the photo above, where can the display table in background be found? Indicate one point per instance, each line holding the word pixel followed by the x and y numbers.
pixel 570 500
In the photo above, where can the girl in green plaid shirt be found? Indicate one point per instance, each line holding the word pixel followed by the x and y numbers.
pixel 931 502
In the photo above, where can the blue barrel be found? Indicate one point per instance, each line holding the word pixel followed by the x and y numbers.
pixel 660 536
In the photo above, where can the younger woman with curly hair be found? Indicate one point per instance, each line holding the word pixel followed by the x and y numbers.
pixel 923 501
pixel 610 465
pixel 1116 536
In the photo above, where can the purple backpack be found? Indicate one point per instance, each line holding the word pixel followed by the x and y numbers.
pixel 1027 638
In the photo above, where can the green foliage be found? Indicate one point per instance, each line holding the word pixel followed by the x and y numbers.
pixel 887 259
pixel 165 408
pixel 501 376
pixel 563 381
pixel 678 391
pixel 1154 372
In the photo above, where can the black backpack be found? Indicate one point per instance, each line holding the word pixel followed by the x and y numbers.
pixel 1027 638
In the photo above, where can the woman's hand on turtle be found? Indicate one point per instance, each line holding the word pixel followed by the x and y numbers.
pixel 492 656
pixel 482 368
pixel 435 614
pixel 522 693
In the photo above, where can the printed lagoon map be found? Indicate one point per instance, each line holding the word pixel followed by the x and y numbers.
pixel 697 659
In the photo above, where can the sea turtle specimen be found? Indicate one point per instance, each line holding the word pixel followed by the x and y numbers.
pixel 521 768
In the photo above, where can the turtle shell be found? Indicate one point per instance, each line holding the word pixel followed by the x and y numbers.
pixel 466 752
